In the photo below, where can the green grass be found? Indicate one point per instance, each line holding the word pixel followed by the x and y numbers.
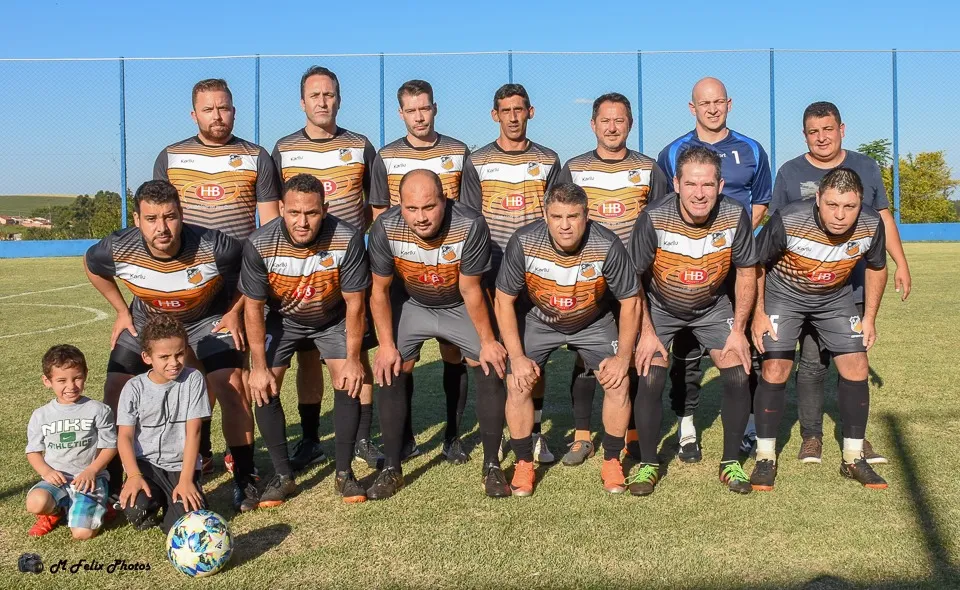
pixel 25 204
pixel 816 530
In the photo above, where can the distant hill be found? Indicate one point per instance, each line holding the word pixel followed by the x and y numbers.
pixel 24 204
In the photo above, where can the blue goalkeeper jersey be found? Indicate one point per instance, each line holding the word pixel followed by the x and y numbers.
pixel 744 165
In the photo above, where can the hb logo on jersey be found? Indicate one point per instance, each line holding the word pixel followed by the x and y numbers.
pixel 718 239
pixel 533 168
pixel 194 276
pixel 611 209
pixel 304 292
pixel 563 302
pixel 853 248
pixel 446 162
pixel 345 154
pixel 693 275
pixel 588 270
pixel 514 202
pixel 448 253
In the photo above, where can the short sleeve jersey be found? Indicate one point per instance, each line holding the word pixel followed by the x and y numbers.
pixel 446 157
pixel 430 270
pixel 220 186
pixel 342 163
pixel 195 284
pixel 798 179
pixel 507 188
pixel 810 268
pixel 69 435
pixel 305 284
pixel 744 165
pixel 685 266
pixel 567 291
pixel 617 190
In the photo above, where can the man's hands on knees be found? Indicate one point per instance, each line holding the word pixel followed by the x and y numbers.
pixel 613 370
pixel 350 377
pixel 387 364
pixel 760 327
pixel 263 386
pixel 524 373
pixel 123 322
pixel 493 354
pixel 737 346
pixel 648 347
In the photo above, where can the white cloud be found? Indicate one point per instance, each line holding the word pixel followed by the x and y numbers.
pixel 583 101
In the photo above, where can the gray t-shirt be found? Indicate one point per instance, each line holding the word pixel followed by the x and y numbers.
pixel 160 414
pixel 799 179
pixel 69 435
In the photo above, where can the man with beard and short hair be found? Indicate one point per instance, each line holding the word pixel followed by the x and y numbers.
pixel 505 181
pixel 341 160
pixel 422 148
pixel 619 183
pixel 310 270
pixel 437 251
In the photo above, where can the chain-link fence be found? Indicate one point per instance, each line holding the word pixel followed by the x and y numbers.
pixel 95 127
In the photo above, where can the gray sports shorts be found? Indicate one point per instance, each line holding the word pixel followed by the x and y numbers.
pixel 413 325
pixel 711 328
pixel 214 350
pixel 593 343
pixel 838 330
pixel 285 338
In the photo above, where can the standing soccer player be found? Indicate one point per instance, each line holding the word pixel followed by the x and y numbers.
pixel 438 251
pixel 341 160
pixel 569 270
pixel 796 180
pixel 191 273
pixel 505 181
pixel 619 183
pixel 811 250
pixel 684 247
pixel 310 270
pixel 424 149
pixel 746 179
pixel 224 182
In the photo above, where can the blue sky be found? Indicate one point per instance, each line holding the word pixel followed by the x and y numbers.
pixel 61 119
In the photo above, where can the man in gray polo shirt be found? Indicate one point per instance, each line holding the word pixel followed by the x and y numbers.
pixel 798 179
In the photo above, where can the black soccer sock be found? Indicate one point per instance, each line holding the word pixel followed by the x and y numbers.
pixel 206 444
pixel 634 378
pixel 685 374
pixel 612 446
pixel 408 420
pixel 394 412
pixel 310 421
pixel 491 412
pixel 734 410
pixel 366 421
pixel 811 375
pixel 115 471
pixel 523 448
pixel 455 390
pixel 242 464
pixel 769 405
pixel 273 428
pixel 537 414
pixel 853 397
pixel 582 389
pixel 648 412
pixel 346 419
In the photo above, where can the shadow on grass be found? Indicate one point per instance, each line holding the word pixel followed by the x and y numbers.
pixel 253 544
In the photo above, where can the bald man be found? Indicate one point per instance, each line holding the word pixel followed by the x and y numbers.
pixel 745 169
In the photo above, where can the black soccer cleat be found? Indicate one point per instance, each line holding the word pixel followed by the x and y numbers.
pixel 409 450
pixel 644 479
pixel 733 476
pixel 453 451
pixel 495 483
pixel 306 453
pixel 368 452
pixel 690 452
pixel 862 472
pixel 763 476
pixel 347 486
pixel 389 481
pixel 277 491
pixel 246 498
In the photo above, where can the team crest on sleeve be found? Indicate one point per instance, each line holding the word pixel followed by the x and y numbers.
pixel 326 259
pixel 588 270
pixel 448 253
pixel 634 176
pixel 533 168
pixel 853 248
pixel 235 161
pixel 446 162
pixel 856 326
pixel 194 276
pixel 346 155
pixel 718 239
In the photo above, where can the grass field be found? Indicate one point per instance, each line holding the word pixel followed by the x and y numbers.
pixel 816 530
pixel 25 204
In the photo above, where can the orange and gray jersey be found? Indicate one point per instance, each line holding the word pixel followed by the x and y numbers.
pixel 508 188
pixel 810 268
pixel 567 291
pixel 430 269
pixel 195 284
pixel 617 190
pixel 220 186
pixel 446 157
pixel 305 284
pixel 341 162
pixel 685 266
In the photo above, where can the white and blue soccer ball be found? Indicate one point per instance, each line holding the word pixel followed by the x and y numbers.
pixel 199 544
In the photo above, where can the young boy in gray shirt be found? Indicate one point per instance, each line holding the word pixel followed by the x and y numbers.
pixel 69 443
pixel 159 418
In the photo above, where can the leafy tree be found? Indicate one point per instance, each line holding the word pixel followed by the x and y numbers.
pixel 925 183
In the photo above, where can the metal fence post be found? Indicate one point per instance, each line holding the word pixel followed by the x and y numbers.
pixel 256 100
pixel 510 66
pixel 123 150
pixel 773 120
pixel 896 144
pixel 382 105
pixel 639 101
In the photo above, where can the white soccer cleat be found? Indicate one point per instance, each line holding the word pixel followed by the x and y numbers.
pixel 541 453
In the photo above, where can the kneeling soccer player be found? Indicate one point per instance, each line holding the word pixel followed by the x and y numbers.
pixel 684 247
pixel 569 269
pixel 810 250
